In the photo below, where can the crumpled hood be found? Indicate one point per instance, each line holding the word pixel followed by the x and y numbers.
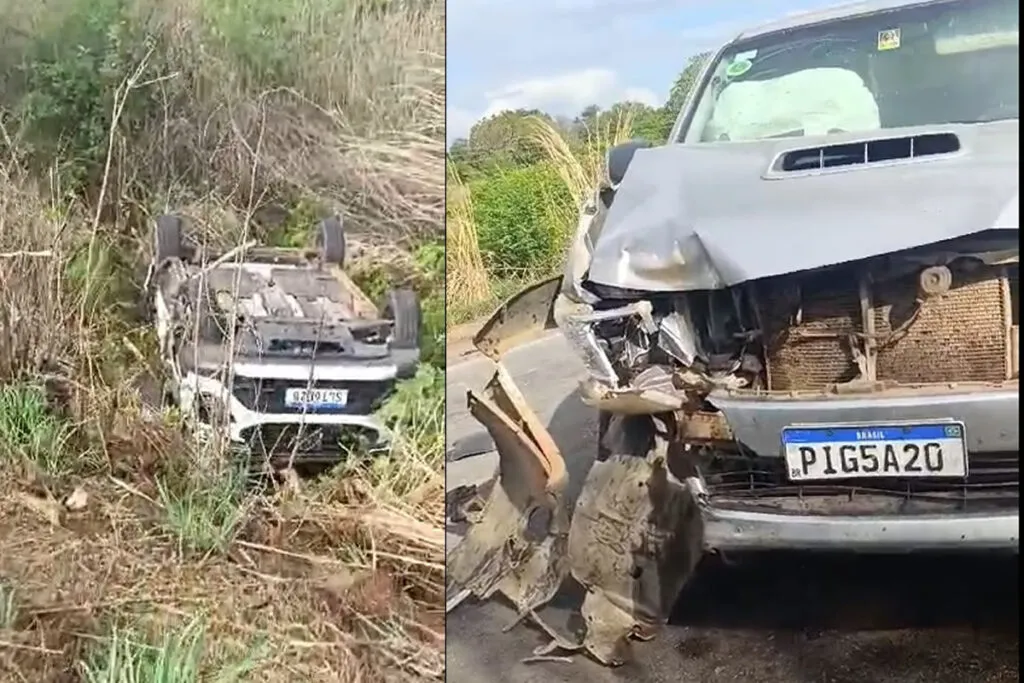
pixel 689 217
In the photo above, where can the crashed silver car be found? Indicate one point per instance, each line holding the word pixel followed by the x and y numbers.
pixel 799 321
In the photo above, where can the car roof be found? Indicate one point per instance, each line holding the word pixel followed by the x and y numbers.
pixel 849 9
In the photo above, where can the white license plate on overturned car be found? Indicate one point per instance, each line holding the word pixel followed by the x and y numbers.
pixel 815 452
pixel 316 399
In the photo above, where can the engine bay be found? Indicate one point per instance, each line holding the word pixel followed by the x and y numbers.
pixel 946 313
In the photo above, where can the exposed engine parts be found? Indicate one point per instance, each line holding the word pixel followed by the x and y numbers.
pixel 888 320
pixel 935 281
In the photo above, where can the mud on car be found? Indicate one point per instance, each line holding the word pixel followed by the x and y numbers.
pixel 278 349
pixel 799 321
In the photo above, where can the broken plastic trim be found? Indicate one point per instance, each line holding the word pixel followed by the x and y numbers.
pixel 635 536
pixel 518 547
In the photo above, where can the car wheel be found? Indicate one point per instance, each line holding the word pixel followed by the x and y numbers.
pixel 168 238
pixel 403 307
pixel 330 240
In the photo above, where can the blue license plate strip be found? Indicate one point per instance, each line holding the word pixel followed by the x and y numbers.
pixel 929 449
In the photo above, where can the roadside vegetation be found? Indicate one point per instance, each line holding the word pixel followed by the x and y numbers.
pixel 128 553
pixel 515 185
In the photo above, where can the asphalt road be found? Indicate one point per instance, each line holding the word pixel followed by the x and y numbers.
pixel 779 618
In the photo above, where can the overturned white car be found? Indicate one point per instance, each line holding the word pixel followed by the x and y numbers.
pixel 278 349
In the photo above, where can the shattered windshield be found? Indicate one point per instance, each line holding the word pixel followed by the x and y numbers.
pixel 934 64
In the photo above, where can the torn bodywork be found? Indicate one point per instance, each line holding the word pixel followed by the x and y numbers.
pixel 634 536
pixel 518 547
pixel 675 377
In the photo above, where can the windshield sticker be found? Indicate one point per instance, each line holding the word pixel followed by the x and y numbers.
pixel 889 39
pixel 738 68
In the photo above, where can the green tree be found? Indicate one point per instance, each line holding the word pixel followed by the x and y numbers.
pixel 685 83
pixel 459 152
pixel 505 140
pixel 647 122
pixel 516 216
pixel 589 114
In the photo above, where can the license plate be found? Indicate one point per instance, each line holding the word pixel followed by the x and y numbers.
pixel 865 451
pixel 316 399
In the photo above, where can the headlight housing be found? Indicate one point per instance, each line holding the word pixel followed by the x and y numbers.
pixel 578 325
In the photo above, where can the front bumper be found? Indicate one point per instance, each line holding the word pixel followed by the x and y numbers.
pixel 737 530
pixel 847 517
pixel 732 529
pixel 990 415
pixel 246 424
pixel 316 440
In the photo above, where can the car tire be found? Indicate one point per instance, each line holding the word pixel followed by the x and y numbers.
pixel 403 307
pixel 168 238
pixel 330 239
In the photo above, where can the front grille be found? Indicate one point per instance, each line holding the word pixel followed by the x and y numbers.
pixel 993 482
pixel 267 395
pixel 323 442
pixel 815 329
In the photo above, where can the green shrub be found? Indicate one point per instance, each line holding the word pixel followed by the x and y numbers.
pixel 63 86
pixel 187 95
pixel 517 219
pixel 426 278
pixel 430 260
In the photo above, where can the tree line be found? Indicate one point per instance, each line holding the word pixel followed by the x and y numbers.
pixel 515 183
pixel 505 140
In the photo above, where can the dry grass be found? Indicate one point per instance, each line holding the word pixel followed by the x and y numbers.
pixel 471 292
pixel 581 167
pixel 170 572
pixel 339 580
pixel 467 282
pixel 323 586
pixel 324 99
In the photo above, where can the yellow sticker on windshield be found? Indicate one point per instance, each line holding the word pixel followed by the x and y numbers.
pixel 889 39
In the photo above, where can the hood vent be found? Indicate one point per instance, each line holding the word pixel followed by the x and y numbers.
pixel 878 151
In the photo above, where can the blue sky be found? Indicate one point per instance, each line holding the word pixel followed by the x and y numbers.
pixel 562 55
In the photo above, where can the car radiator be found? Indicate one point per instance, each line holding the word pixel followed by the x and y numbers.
pixel 824 328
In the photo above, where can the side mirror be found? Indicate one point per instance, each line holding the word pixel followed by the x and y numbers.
pixel 619 156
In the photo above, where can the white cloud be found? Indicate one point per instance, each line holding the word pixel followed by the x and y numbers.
pixel 565 94
pixel 457 123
